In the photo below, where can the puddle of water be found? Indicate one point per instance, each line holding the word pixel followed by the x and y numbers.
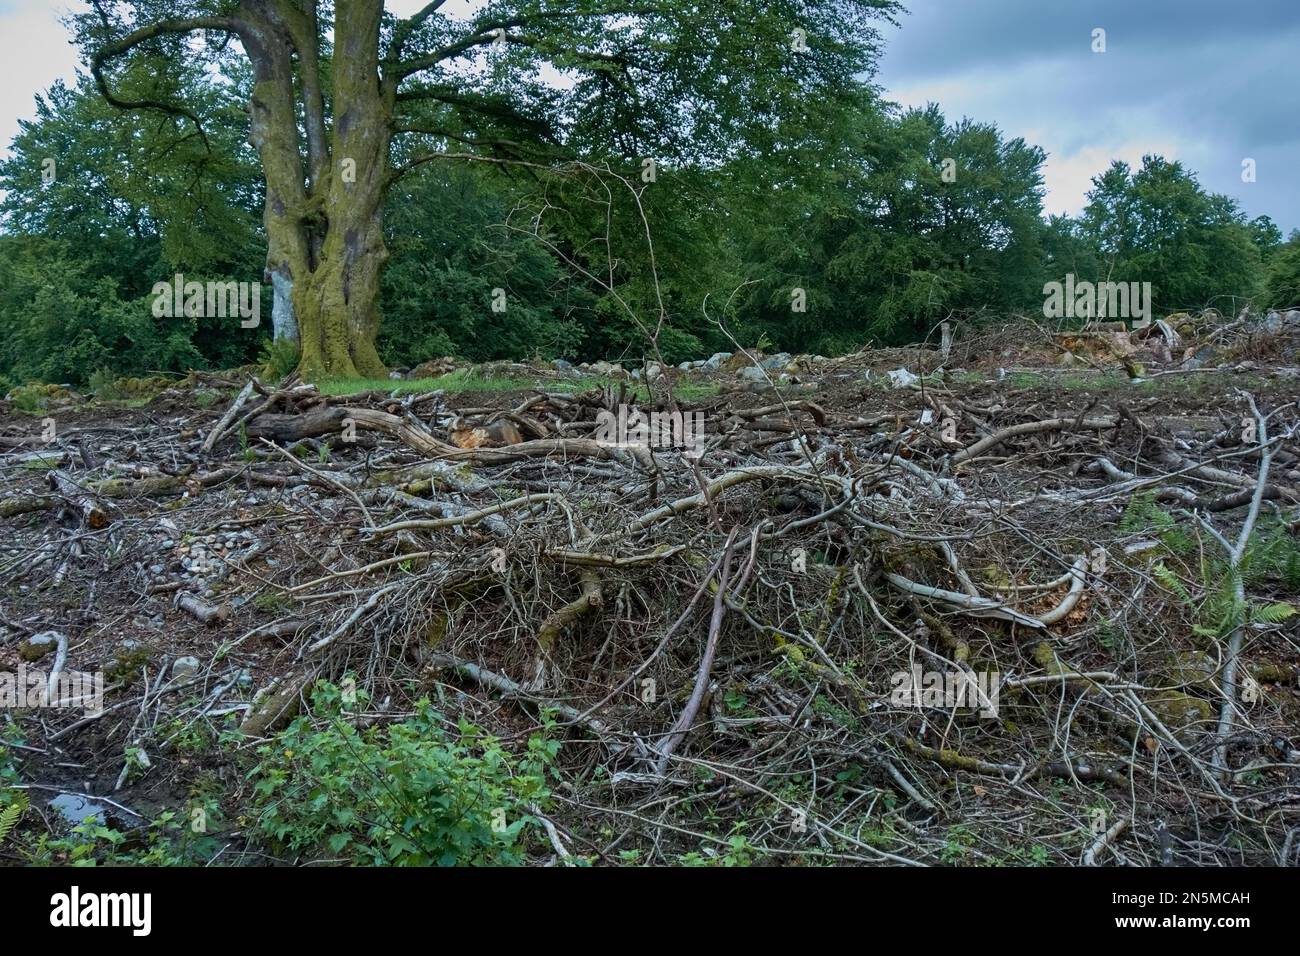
pixel 75 808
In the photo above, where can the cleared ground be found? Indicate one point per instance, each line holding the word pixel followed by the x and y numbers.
pixel 718 649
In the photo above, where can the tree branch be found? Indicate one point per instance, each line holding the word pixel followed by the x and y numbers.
pixel 118 48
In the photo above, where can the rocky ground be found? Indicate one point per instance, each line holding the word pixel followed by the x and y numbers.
pixel 1082 548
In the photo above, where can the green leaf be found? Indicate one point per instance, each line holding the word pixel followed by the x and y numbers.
pixel 1273 613
pixel 10 814
pixel 338 841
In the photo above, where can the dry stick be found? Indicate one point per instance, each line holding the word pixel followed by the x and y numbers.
pixel 1105 840
pixel 1030 428
pixel 285 628
pixel 328 479
pixel 590 559
pixel 508 688
pixel 60 659
pixel 958 571
pixel 346 626
pixel 366 569
pixel 816 411
pixel 943 487
pixel 201 611
pixel 1051 585
pixel 974 606
pixel 907 787
pixel 471 517
pixel 683 724
pixel 220 427
pixel 1235 554
pixel 1077 581
pixel 551 833
pixel 74 552
pixel 1067 676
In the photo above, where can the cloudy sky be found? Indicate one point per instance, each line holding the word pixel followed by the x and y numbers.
pixel 1202 81
pixel 1206 82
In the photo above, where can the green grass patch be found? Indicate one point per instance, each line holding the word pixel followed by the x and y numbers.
pixel 1102 381
pixel 1026 380
pixel 468 380
pixel 458 381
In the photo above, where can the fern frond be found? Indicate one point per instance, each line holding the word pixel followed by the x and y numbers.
pixel 1171 582
pixel 1273 613
pixel 10 814
pixel 1291 573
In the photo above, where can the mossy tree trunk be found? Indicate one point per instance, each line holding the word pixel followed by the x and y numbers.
pixel 325 223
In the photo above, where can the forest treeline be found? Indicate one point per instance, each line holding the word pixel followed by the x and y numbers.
pixel 860 223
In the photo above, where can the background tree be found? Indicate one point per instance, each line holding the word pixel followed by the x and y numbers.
pixel 909 219
pixel 328 101
pixel 450 252
pixel 1282 287
pixel 1158 225
pixel 126 207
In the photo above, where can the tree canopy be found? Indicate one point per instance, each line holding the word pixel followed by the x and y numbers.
pixel 363 166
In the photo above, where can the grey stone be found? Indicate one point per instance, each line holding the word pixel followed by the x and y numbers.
pixel 714 361
pixel 185 667
pixel 778 361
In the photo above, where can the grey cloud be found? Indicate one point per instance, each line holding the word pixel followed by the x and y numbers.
pixel 1207 81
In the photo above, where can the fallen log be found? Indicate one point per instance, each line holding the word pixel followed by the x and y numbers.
pixel 92 515
pixel 220 427
pixel 325 420
pixel 201 611
pixel 26 504
pixel 1031 428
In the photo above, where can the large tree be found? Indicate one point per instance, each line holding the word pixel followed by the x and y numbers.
pixel 912 220
pixel 1158 224
pixel 346 99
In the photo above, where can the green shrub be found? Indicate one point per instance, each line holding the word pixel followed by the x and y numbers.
pixel 279 357
pixel 409 794
pixel 104 384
